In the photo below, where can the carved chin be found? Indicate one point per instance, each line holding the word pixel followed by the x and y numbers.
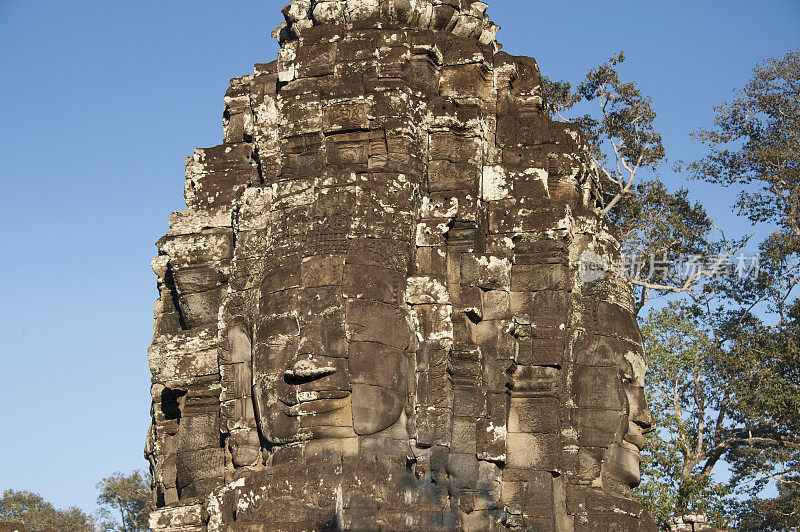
pixel 375 408
pixel 623 464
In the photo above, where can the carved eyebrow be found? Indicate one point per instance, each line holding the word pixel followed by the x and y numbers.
pixel 635 364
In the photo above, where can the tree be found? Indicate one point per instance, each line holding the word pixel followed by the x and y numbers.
pixel 779 513
pixel 35 513
pixel 127 495
pixel 725 368
pixel 628 151
pixel 624 126
pixel 724 387
pixel 756 146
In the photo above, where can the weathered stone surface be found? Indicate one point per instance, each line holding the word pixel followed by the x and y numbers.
pixel 14 527
pixel 371 314
pixel 692 522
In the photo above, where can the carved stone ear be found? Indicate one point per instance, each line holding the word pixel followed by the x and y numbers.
pixel 239 345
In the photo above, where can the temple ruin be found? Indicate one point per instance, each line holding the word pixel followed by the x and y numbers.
pixel 375 313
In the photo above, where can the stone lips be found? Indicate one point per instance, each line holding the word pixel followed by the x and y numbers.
pixel 372 313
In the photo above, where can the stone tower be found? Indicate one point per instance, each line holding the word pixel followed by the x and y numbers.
pixel 375 313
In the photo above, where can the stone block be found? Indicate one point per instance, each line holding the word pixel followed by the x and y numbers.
pixel 491 440
pixel 349 151
pixel 316 60
pixel 431 233
pixel 466 81
pixel 426 290
pixel 345 116
pixel 598 388
pixel 372 321
pixel 534 415
pixel 431 261
pixel 211 246
pixel 325 270
pixel 435 321
pixel 463 470
pixel 449 146
pixel 469 401
pixel 486 272
pixel 201 308
pixel 446 176
pixel 464 435
pixel 495 305
pixel 377 365
pixel 495 339
pixel 533 451
pixel 214 175
pixel 176 517
pixel 434 427
pixel 373 283
pixel 539 277
pixel 546 308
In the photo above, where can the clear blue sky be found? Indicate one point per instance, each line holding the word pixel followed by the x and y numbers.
pixel 102 101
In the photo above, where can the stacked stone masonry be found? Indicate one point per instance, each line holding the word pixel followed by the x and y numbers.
pixel 692 522
pixel 373 315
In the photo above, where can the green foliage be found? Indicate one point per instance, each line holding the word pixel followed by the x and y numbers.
pixel 127 495
pixel 661 474
pixel 656 223
pixel 723 386
pixel 723 353
pixel 776 514
pixel 621 136
pixel 627 115
pixel 756 145
pixel 655 220
pixel 652 220
pixel 558 95
pixel 684 398
pixel 35 513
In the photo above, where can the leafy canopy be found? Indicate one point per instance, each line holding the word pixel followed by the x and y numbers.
pixel 35 513
pixel 723 352
pixel 124 502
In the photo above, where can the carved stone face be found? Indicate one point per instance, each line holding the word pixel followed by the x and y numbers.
pixel 623 458
pixel 612 415
pixel 320 397
pixel 308 397
pixel 343 375
pixel 377 265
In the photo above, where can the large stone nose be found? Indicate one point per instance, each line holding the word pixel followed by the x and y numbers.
pixel 306 368
pixel 640 412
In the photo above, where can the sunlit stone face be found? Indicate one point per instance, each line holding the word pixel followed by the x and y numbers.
pixel 387 325
pixel 624 458
pixel 617 417
pixel 310 398
pixel 331 346
pixel 318 397
pixel 611 415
